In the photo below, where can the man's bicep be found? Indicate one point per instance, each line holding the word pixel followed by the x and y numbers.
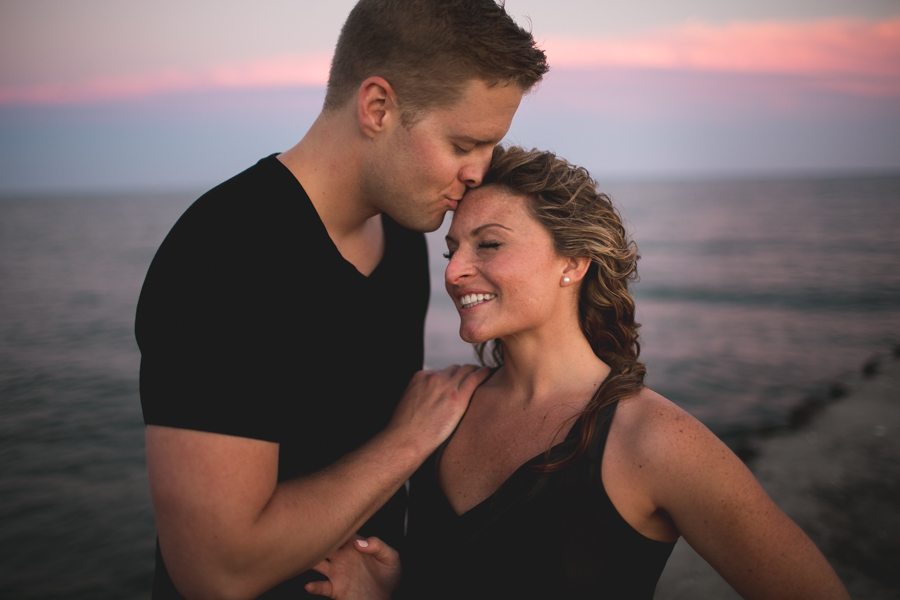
pixel 208 489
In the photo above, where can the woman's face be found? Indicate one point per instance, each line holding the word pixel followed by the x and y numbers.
pixel 504 274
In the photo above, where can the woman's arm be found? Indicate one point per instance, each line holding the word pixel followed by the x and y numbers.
pixel 716 504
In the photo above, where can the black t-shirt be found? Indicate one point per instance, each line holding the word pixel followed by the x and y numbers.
pixel 251 323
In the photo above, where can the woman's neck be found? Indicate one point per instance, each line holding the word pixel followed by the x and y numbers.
pixel 542 367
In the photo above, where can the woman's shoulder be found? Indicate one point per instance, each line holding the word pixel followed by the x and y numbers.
pixel 663 459
pixel 653 431
pixel 650 412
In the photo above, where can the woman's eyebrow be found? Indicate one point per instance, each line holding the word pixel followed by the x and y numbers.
pixel 480 228
pixel 477 230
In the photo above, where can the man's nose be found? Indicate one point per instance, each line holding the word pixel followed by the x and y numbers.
pixel 473 173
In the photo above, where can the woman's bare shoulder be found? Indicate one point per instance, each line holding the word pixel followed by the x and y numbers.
pixel 653 429
pixel 648 412
pixel 666 460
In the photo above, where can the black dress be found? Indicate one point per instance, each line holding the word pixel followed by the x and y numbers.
pixel 554 535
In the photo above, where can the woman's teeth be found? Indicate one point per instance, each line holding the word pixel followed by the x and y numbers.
pixel 470 300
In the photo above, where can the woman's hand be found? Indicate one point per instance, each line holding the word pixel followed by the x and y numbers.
pixel 361 569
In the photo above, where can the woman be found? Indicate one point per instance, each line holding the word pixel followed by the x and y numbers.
pixel 567 477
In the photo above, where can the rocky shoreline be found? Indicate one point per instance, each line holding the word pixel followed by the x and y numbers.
pixel 836 472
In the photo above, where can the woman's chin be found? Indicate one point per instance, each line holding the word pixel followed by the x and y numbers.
pixel 472 337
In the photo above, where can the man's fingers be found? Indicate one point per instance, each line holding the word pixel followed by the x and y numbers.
pixel 473 379
pixel 319 588
pixel 450 370
pixel 462 372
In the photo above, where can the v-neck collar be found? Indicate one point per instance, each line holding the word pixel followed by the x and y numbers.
pixel 524 472
pixel 386 225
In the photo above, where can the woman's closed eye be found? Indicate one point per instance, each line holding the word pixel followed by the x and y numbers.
pixel 481 246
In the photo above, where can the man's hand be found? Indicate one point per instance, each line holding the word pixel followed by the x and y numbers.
pixel 434 402
pixel 226 525
pixel 361 569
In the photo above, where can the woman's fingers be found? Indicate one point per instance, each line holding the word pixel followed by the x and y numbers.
pixel 323 567
pixel 320 588
pixel 379 550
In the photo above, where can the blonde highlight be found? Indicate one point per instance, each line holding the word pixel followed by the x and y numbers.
pixel 582 222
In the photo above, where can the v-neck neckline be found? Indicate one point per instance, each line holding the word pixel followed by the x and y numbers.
pixel 385 226
pixel 439 453
pixel 384 255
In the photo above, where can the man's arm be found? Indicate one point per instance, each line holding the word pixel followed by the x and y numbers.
pixel 227 529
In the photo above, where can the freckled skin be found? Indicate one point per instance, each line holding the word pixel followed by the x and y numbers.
pixel 514 260
pixel 665 473
pixel 689 483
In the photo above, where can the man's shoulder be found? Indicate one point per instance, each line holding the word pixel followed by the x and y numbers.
pixel 268 183
pixel 235 234
pixel 256 203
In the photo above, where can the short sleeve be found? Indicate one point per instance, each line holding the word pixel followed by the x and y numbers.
pixel 209 361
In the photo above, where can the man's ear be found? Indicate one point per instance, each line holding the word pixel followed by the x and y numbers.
pixel 576 268
pixel 376 106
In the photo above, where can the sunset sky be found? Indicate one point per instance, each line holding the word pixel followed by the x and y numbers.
pixel 109 95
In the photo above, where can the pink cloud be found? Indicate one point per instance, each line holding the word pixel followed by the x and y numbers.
pixel 665 95
pixel 852 55
pixel 275 72
pixel 845 55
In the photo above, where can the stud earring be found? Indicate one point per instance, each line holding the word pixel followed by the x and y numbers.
pixel 566 280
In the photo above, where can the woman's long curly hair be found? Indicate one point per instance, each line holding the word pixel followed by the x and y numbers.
pixel 582 222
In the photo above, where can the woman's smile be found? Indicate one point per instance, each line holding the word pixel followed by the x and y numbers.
pixel 504 272
pixel 473 300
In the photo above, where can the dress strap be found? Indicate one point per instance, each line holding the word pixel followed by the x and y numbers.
pixel 594 454
pixel 602 425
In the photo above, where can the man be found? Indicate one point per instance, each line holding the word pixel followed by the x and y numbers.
pixel 283 315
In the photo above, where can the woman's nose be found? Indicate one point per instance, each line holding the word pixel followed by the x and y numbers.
pixel 458 268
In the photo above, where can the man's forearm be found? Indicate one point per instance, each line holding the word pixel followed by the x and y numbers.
pixel 249 541
pixel 228 529
pixel 331 505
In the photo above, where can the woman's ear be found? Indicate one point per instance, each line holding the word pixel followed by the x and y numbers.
pixel 575 269
pixel 376 106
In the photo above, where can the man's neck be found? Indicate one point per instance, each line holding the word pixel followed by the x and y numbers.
pixel 326 162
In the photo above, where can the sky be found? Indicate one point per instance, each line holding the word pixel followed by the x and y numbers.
pixel 105 95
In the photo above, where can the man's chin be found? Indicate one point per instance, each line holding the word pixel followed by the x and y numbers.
pixel 424 225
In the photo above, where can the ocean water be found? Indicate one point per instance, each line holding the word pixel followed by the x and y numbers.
pixel 753 294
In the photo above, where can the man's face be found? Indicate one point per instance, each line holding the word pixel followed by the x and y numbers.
pixel 423 171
